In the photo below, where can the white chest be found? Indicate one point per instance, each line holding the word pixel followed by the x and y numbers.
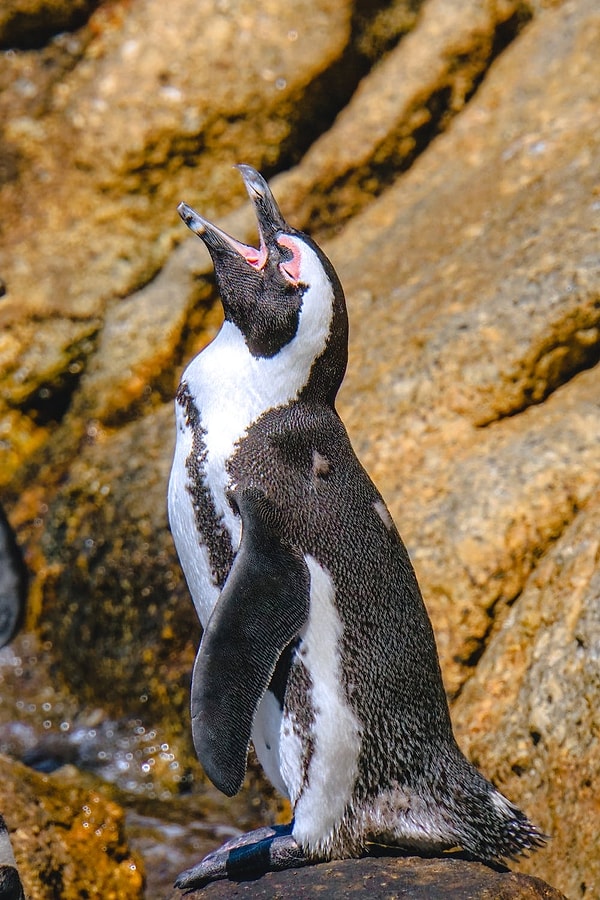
pixel 231 389
pixel 321 793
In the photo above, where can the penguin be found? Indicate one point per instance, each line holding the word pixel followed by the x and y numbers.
pixel 10 883
pixel 316 643
pixel 13 582
pixel 13 585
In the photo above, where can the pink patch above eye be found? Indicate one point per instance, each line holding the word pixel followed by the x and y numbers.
pixel 291 267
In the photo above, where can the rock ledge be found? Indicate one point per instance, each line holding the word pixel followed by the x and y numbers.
pixel 386 877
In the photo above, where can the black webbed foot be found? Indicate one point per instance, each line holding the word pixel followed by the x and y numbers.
pixel 268 849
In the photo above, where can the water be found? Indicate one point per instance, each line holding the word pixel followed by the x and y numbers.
pixel 173 816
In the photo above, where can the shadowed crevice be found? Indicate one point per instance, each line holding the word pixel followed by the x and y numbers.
pixel 552 367
pixel 30 27
pixel 461 63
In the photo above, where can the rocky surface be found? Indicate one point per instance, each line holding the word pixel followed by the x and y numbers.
pixel 537 691
pixel 68 842
pixel 382 878
pixel 179 94
pixel 455 184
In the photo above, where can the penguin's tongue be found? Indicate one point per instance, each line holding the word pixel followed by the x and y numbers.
pixel 217 239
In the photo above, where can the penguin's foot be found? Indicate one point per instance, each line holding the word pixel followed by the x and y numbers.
pixel 250 855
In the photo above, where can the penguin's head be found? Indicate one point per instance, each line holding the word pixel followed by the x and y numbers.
pixel 285 291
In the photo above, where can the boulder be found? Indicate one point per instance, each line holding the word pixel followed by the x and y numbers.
pixel 113 587
pixel 383 877
pixel 469 326
pixel 536 691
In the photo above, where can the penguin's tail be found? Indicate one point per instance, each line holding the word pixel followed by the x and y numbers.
pixel 488 825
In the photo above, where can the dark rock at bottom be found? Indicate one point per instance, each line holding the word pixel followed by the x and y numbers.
pixel 382 878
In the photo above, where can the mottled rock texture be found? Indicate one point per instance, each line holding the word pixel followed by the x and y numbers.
pixel 381 879
pixel 68 842
pixel 448 156
pixel 537 691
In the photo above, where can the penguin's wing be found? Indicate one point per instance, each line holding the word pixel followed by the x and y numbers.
pixel 262 607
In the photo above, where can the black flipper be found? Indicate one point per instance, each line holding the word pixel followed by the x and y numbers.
pixel 262 607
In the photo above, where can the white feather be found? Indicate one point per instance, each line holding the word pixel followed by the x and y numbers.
pixel 192 554
pixel 265 737
pixel 335 732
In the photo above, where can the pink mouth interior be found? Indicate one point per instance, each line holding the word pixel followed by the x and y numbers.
pixel 255 258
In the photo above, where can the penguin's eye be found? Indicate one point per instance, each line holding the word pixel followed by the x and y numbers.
pixel 291 259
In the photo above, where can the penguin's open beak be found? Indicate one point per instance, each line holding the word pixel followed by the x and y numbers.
pixel 268 215
pixel 218 242
pixel 269 219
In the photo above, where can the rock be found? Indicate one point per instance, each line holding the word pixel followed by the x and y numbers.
pixel 406 100
pixel 68 842
pixel 120 477
pixel 384 877
pixel 536 691
pixel 30 23
pixel 493 188
pixel 395 112
pixel 114 125
pixel 132 369
pixel 437 68
pixel 482 518
pixel 485 496
pixel 135 163
pixel 481 300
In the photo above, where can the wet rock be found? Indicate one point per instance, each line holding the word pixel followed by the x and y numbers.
pixel 68 842
pixel 379 878
pixel 96 595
